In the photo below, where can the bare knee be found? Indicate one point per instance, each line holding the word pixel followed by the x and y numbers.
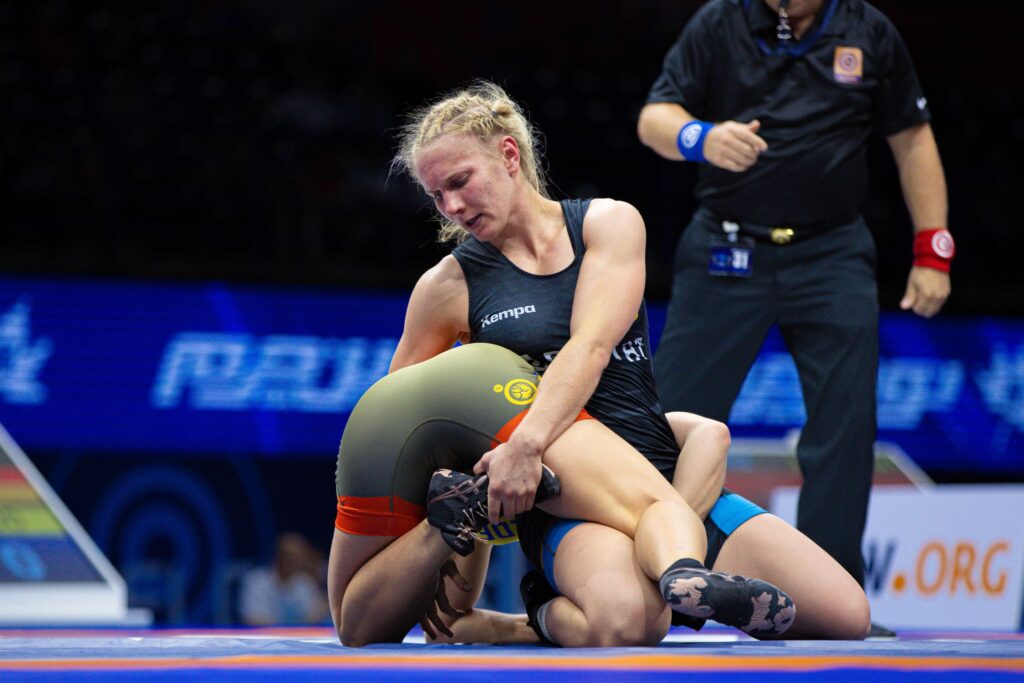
pixel 629 626
pixel 856 617
pixel 848 617
pixel 713 433
pixel 350 637
pixel 358 631
pixel 360 637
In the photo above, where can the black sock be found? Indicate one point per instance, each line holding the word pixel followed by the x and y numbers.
pixel 541 626
pixel 685 563
pixel 537 593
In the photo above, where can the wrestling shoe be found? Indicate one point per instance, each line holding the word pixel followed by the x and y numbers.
pixel 755 607
pixel 536 592
pixel 680 619
pixel 457 504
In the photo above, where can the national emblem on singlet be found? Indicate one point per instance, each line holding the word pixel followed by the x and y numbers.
pixel 518 392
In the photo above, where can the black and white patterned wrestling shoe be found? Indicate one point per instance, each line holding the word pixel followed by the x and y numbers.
pixel 754 606
pixel 457 504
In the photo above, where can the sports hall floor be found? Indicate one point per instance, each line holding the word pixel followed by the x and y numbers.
pixel 314 654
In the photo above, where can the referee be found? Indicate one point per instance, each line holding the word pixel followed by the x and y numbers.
pixel 775 100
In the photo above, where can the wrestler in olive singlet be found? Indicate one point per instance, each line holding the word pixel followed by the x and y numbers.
pixel 443 412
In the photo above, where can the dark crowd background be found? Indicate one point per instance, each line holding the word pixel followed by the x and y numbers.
pixel 251 140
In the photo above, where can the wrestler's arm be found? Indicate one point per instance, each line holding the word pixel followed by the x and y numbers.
pixel 486 626
pixel 437 315
pixel 704 449
pixel 606 301
pixel 378 588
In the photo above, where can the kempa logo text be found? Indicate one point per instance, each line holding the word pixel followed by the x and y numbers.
pixel 510 313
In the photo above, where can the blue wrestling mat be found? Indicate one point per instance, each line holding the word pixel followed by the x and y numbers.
pixel 314 654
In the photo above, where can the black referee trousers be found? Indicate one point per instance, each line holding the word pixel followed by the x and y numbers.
pixel 821 292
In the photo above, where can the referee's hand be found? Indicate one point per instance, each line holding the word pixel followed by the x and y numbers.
pixel 927 291
pixel 734 146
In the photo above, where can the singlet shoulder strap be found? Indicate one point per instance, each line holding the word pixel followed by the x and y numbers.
pixel 472 253
pixel 575 210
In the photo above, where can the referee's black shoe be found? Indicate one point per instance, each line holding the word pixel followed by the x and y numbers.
pixel 457 504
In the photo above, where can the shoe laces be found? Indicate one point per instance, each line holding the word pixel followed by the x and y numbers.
pixel 475 519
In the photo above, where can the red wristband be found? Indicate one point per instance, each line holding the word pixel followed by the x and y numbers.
pixel 934 249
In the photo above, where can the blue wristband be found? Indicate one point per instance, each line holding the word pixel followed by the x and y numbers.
pixel 690 140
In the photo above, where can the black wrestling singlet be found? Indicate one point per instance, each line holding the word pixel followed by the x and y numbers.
pixel 530 314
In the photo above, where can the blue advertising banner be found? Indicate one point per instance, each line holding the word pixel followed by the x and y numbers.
pixel 217 369
pixel 187 368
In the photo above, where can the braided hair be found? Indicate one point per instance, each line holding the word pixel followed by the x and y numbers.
pixel 482 110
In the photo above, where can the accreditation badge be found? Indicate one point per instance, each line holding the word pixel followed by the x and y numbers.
pixel 731 258
pixel 848 65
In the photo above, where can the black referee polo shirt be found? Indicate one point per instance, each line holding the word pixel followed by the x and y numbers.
pixel 817 102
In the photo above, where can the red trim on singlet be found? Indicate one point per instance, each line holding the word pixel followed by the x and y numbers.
pixel 375 516
pixel 506 430
pixel 392 516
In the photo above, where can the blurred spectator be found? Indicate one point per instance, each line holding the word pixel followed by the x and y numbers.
pixel 291 591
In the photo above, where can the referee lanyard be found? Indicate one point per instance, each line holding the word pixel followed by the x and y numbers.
pixel 786 48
